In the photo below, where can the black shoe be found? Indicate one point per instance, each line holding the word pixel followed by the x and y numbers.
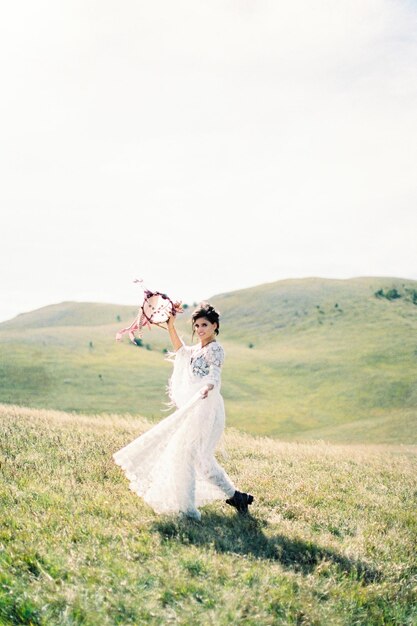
pixel 240 501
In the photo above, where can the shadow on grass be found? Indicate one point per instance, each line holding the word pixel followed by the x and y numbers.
pixel 244 535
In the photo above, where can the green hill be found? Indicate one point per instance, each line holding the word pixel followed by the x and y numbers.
pixel 69 314
pixel 305 359
pixel 330 540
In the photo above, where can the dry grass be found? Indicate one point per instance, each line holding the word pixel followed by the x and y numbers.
pixel 331 539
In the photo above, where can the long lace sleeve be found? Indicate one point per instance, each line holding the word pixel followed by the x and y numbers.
pixel 178 382
pixel 215 360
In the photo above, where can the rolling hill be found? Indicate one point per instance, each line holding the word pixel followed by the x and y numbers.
pixel 305 359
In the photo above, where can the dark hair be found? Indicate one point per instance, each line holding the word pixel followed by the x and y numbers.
pixel 207 311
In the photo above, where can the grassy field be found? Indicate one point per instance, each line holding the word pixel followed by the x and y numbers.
pixel 309 359
pixel 330 540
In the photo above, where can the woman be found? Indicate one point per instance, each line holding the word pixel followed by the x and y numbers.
pixel 172 465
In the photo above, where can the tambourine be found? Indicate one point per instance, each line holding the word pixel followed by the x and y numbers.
pixel 155 308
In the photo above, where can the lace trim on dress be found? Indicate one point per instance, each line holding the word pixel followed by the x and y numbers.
pixel 206 362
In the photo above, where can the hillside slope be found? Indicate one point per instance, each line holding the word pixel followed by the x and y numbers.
pixel 305 359
pixel 330 539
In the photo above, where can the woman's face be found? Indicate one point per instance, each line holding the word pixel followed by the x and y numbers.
pixel 204 329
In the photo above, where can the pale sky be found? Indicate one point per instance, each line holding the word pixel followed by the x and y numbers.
pixel 203 145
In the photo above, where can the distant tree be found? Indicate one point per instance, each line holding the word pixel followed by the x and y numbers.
pixel 165 351
pixel 392 294
pixel 91 345
pixel 185 306
pixel 118 318
pixel 138 342
pixel 148 346
pixel 251 345
pixel 336 306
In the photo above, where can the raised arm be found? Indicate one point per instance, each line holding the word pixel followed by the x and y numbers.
pixel 175 340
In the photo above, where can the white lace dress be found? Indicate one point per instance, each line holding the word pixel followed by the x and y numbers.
pixel 172 465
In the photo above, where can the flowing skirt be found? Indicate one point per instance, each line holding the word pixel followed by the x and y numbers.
pixel 172 465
